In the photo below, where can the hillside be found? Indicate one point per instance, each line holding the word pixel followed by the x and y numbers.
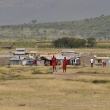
pixel 99 28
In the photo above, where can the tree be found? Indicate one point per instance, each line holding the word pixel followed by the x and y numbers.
pixel 91 42
pixel 102 15
pixel 66 42
pixel 86 20
pixel 34 21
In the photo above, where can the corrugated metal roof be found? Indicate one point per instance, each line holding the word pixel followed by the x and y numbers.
pixel 19 53
pixel 102 58
pixel 18 49
pixel 57 57
pixel 43 55
pixel 67 51
pixel 21 56
pixel 48 57
pixel 15 59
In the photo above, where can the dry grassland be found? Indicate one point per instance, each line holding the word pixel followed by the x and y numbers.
pixel 37 88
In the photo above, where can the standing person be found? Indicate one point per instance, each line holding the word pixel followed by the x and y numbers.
pixel 75 61
pixel 103 63
pixel 54 63
pixel 91 61
pixel 65 62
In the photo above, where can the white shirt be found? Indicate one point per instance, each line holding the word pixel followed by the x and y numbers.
pixel 91 60
pixel 75 60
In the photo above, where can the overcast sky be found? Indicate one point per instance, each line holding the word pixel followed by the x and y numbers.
pixel 23 11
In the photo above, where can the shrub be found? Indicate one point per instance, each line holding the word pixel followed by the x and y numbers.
pixel 100 81
pixel 36 72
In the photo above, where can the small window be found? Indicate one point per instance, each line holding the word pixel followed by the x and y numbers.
pixel 99 61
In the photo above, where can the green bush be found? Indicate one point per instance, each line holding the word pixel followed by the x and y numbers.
pixel 100 81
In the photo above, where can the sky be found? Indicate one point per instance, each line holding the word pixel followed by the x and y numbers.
pixel 24 11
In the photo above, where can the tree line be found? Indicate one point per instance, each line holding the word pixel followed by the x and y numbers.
pixel 67 42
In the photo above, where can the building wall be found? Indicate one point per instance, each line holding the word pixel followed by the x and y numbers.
pixel 4 61
pixel 107 61
pixel 85 60
pixel 15 62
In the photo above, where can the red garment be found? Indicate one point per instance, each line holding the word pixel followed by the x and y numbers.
pixel 35 62
pixel 65 62
pixel 103 63
pixel 53 61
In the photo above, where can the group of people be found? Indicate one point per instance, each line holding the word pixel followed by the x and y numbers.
pixel 92 62
pixel 54 63
pixel 65 63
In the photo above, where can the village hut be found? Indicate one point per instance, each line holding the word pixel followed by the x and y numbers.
pixel 20 53
pixel 32 53
pixel 5 59
pixel 15 61
pixel 85 59
pixel 48 60
pixel 18 57
pixel 70 53
pixel 100 60
pixel 74 56
pixel 61 58
pixel 20 49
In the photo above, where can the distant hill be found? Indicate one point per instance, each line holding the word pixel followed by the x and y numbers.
pixel 99 28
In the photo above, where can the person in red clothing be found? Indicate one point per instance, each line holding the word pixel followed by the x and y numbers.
pixel 104 63
pixel 54 63
pixel 65 62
